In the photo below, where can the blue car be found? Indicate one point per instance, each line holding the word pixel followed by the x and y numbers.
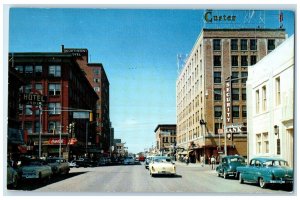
pixel 265 171
pixel 228 164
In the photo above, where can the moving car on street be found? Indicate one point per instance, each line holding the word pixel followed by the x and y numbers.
pixel 228 164
pixel 266 171
pixel 129 161
pixel 162 165
pixel 35 169
pixel 147 161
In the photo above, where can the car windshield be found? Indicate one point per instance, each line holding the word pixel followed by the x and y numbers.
pixel 236 159
pixel 275 163
pixel 162 160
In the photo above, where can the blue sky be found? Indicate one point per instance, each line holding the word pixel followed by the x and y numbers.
pixel 138 49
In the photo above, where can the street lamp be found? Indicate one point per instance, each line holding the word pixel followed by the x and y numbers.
pixel 202 122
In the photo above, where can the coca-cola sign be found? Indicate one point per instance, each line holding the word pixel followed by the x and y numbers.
pixel 56 141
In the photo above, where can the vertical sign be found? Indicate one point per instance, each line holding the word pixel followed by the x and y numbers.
pixel 228 101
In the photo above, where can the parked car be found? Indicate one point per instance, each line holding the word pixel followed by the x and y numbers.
pixel 86 162
pixel 12 177
pixel 266 171
pixel 58 165
pixel 129 161
pixel 72 164
pixel 162 165
pixel 102 161
pixel 35 169
pixel 228 164
pixel 147 161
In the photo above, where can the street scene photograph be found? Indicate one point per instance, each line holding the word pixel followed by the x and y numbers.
pixel 147 101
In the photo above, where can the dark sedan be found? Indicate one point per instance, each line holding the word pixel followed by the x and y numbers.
pixel 228 165
pixel 266 171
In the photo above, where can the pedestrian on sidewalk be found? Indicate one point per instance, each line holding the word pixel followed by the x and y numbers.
pixel 212 162
pixel 202 161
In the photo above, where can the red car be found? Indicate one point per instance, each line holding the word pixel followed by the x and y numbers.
pixel 142 158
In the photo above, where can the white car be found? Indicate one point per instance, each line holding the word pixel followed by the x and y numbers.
pixel 36 169
pixel 129 161
pixel 162 165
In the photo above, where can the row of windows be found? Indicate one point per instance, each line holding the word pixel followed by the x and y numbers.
pixel 234 76
pixel 235 111
pixel 54 89
pixel 54 109
pixel 31 128
pixel 244 61
pixel 53 70
pixel 243 44
pixel 235 94
pixel 166 139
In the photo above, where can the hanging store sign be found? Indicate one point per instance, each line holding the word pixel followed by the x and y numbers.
pixel 81 115
pixel 54 141
pixel 228 101
pixel 209 17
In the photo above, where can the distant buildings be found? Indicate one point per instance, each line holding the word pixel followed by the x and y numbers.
pixel 270 100
pixel 218 55
pixel 165 135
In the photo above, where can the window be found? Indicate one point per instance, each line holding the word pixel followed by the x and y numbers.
pixel 28 70
pixel 96 80
pixel 253 60
pixel 257 101
pixel 97 89
pixel 253 45
pixel 19 68
pixel 271 45
pixel 244 60
pixel 39 87
pixel 96 71
pixel 234 44
pixel 244 74
pixel 244 94
pixel 28 126
pixel 217 60
pixel 244 111
pixel 54 126
pixel 54 108
pixel 258 143
pixel 235 94
pixel 37 126
pixel 235 111
pixel 217 77
pixel 38 70
pixel 28 109
pixel 54 89
pixel 28 88
pixel 218 111
pixel 264 98
pixel 55 70
pixel 244 45
pixel 235 75
pixel 217 95
pixel 218 126
pixel 277 92
pixel 234 61
pixel 265 142
pixel 217 44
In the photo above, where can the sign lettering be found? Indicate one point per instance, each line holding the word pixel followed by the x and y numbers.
pixel 228 101
pixel 209 17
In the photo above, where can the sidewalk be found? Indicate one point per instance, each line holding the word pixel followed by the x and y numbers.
pixel 206 167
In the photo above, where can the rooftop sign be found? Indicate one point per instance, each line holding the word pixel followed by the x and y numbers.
pixel 209 17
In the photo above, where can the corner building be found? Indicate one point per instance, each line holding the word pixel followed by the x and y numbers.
pixel 217 55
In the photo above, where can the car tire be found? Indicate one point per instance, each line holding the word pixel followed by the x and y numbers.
pixel 262 183
pixel 241 180
pixel 224 175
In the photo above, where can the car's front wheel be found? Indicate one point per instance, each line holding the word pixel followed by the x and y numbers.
pixel 262 183
pixel 241 180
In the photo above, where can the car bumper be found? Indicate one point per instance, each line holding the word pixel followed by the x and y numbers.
pixel 281 181
pixel 29 176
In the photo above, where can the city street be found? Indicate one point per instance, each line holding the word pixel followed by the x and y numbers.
pixel 128 179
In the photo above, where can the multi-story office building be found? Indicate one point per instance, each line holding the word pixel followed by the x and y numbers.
pixel 219 55
pixel 270 92
pixel 55 87
pixel 165 135
pixel 96 75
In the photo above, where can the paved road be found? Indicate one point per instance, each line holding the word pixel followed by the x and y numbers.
pixel 110 180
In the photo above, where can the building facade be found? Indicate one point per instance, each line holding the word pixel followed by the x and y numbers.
pixel 96 76
pixel 218 56
pixel 55 87
pixel 165 135
pixel 270 94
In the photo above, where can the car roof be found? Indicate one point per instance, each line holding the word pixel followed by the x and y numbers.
pixel 264 159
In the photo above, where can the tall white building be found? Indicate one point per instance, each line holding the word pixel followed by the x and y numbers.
pixel 270 94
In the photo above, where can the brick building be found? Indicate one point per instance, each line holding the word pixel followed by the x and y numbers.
pixel 165 135
pixel 96 75
pixel 218 55
pixel 54 85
